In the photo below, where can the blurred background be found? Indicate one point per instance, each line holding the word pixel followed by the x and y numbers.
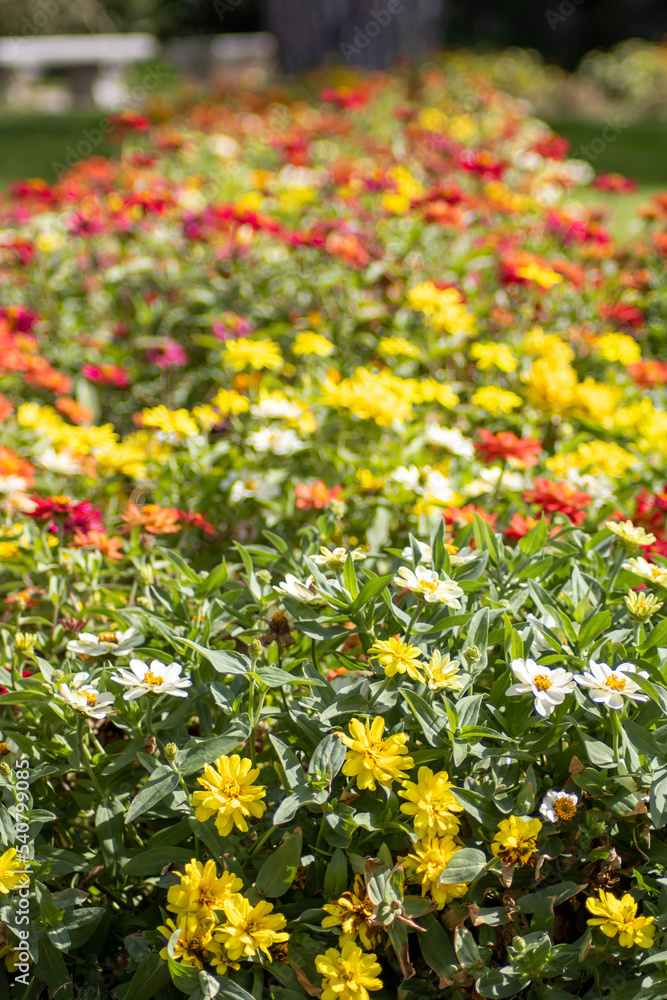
pixel 584 66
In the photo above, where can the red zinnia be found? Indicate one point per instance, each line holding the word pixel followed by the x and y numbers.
pixel 72 515
pixel 560 497
pixel 507 447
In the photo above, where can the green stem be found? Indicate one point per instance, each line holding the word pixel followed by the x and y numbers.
pixel 615 732
pixel 411 623
pixel 251 713
pixel 84 757
pixel 260 841
pixel 503 466
pixel 620 559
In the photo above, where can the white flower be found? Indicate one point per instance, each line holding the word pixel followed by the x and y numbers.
pixel 274 408
pixel 258 489
pixel 647 571
pixel 451 439
pixel 154 680
pixel 548 687
pixel 428 585
pixel 557 807
pixel 425 550
pixel 292 587
pixel 106 643
pixel 336 558
pixel 512 482
pixel 437 488
pixel 408 477
pixel 85 698
pixel 275 441
pixel 609 687
pixel 13 484
pixel 62 462
pixel 631 534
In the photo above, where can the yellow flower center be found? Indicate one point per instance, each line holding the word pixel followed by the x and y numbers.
pixel 231 789
pixel 4 749
pixel 91 698
pixel 542 682
pixel 429 585
pixel 151 678
pixel 108 637
pixel 564 808
pixel 615 682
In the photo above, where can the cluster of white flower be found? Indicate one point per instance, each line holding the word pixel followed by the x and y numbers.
pixel 549 686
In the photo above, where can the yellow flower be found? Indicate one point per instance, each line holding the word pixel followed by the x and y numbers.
pixel 307 344
pixel 542 276
pixel 367 481
pixel 13 874
pixel 348 974
pixel 432 119
pixel 618 347
pixel 619 916
pixel 398 657
pixel 515 841
pixel 445 308
pixel 552 385
pixel 255 354
pixel 206 416
pixel 430 391
pixel 393 347
pixel 178 422
pixel 229 401
pixel 641 605
pixel 369 758
pixel 496 401
pixel 431 803
pixel 547 345
pixel 353 913
pixel 8 550
pixel 442 672
pixel 250 929
pixel 630 535
pixel 600 457
pixel 201 891
pixel 381 396
pixel 194 942
pixel 428 860
pixel 489 355
pixel 230 795
pixel 596 400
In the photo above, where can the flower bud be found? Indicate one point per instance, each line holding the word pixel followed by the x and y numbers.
pixel 25 642
pixel 147 575
pixel 254 648
pixel 264 576
pixel 5 768
pixel 171 751
pixel 641 605
pixel 57 676
pixel 144 602
pixel 472 654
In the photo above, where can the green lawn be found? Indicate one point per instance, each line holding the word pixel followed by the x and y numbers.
pixel 34 145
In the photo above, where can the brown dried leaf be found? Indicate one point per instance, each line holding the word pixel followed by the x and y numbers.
pixel 310 988
pixel 639 810
pixel 406 965
pixel 507 874
pixel 575 766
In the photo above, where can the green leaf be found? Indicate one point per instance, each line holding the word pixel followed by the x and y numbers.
pixel 593 627
pixel 52 969
pixel 328 757
pixel 643 740
pixel 215 579
pixel 370 589
pixel 533 542
pixel 222 660
pixel 279 870
pixel 464 866
pixel 160 783
pixel 275 677
pixel 466 948
pixel 436 949
pixel 350 577
pixel 197 753
pixel 656 637
pixel 335 877
pixel 148 862
pixel 151 976
pixel 110 832
pixel 431 719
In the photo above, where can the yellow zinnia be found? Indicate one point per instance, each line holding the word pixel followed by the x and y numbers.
pixel 201 891
pixel 348 974
pixel 431 803
pixel 13 874
pixel 516 840
pixel 398 657
pixel 619 916
pixel 230 795
pixel 255 354
pixel 370 758
pixel 428 861
pixel 250 929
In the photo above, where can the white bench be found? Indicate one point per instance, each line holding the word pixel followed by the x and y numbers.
pixel 234 54
pixel 81 58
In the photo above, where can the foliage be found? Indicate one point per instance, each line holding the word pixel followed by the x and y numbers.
pixel 333 549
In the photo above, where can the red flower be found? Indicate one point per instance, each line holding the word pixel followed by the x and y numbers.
pixel 460 516
pixel 507 447
pixel 615 182
pixel 624 314
pixel 71 515
pixel 560 497
pixel 191 519
pixel 649 374
pixel 113 375
pixel 316 495
pixel 553 147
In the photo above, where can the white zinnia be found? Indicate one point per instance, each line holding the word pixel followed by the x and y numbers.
pixel 425 551
pixel 156 679
pixel 609 687
pixel 548 687
pixel 425 583
pixel 105 644
pixel 275 441
pixel 647 571
pixel 451 439
pixel 293 587
pixel 85 698
pixel 557 807
pixel 336 558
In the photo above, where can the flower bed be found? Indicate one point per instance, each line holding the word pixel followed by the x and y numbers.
pixel 333 545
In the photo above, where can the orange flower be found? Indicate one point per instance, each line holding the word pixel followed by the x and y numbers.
pixel 109 547
pixel 507 447
pixel 12 464
pixel 563 497
pixel 316 495
pixel 153 518
pixel 77 413
pixel 5 408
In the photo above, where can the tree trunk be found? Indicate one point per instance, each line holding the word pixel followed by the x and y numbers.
pixel 372 33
